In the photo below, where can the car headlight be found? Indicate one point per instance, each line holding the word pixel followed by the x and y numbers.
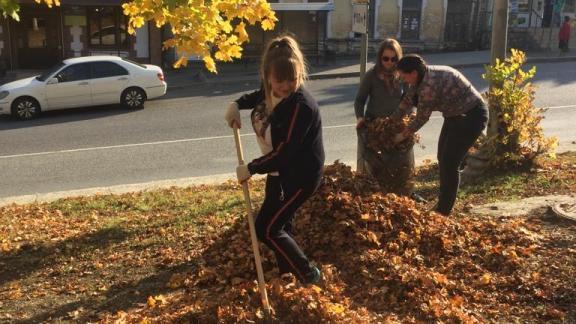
pixel 4 94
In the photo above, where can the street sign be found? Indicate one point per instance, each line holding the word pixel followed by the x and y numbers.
pixel 360 18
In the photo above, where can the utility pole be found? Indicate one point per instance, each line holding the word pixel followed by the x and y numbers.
pixel 360 26
pixel 363 55
pixel 360 11
pixel 498 49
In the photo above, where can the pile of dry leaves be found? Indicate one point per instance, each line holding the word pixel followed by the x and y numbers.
pixel 383 259
pixel 392 165
pixel 380 133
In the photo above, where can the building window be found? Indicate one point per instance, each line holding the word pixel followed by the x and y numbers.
pixel 37 33
pixel 570 6
pixel 523 5
pixel 107 27
pixel 411 15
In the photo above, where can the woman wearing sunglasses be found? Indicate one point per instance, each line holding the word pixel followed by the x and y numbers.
pixel 382 88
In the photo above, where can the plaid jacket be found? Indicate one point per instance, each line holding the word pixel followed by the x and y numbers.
pixel 442 89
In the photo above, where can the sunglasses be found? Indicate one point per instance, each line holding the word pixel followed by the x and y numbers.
pixel 386 59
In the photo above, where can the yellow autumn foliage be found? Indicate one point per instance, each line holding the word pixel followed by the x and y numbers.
pixel 212 30
pixel 10 8
pixel 49 3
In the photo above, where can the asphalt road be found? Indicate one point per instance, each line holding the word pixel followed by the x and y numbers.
pixel 184 135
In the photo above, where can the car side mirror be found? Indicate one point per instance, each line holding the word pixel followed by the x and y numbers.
pixel 52 81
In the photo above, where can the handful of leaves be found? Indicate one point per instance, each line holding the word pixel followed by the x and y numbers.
pixel 380 134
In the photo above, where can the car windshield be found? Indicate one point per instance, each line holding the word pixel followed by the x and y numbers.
pixel 135 63
pixel 44 76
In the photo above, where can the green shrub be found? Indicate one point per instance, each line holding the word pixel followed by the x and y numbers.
pixel 519 138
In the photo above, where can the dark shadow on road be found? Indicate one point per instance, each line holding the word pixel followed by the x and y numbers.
pixel 63 116
pixel 339 94
pixel 211 90
pixel 237 79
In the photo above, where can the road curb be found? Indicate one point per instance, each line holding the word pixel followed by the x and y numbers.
pixel 116 190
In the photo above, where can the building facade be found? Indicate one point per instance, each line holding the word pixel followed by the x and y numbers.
pixel 417 24
pixel 323 27
pixel 533 24
pixel 540 13
pixel 44 36
pixel 306 21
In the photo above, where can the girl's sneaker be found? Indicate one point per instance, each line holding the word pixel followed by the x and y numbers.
pixel 313 276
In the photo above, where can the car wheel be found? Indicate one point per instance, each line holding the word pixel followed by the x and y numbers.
pixel 133 98
pixel 25 108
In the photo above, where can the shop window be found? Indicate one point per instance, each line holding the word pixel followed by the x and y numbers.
pixel 37 33
pixel 107 27
pixel 523 5
pixel 411 4
pixel 32 34
pixel 570 6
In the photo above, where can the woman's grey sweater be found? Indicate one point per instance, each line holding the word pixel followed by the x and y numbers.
pixel 382 101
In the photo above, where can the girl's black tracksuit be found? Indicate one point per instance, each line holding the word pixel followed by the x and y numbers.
pixel 298 157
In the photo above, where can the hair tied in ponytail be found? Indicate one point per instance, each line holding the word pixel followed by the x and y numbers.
pixel 281 43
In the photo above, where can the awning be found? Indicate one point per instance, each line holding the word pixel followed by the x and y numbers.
pixel 315 6
pixel 92 2
pixel 81 2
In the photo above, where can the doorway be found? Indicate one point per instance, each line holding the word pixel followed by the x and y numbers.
pixel 458 17
pixel 411 15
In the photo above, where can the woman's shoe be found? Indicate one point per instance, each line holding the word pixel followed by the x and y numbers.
pixel 435 209
pixel 417 198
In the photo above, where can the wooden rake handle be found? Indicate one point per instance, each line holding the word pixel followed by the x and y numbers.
pixel 255 246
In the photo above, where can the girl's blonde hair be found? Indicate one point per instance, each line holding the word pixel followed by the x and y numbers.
pixel 387 44
pixel 284 58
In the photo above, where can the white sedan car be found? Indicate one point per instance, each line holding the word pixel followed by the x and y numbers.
pixel 83 81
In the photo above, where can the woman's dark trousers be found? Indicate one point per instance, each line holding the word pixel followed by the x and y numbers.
pixel 456 138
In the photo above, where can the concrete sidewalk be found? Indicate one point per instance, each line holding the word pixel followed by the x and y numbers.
pixel 342 67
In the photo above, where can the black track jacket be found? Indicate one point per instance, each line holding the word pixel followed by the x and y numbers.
pixel 296 130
